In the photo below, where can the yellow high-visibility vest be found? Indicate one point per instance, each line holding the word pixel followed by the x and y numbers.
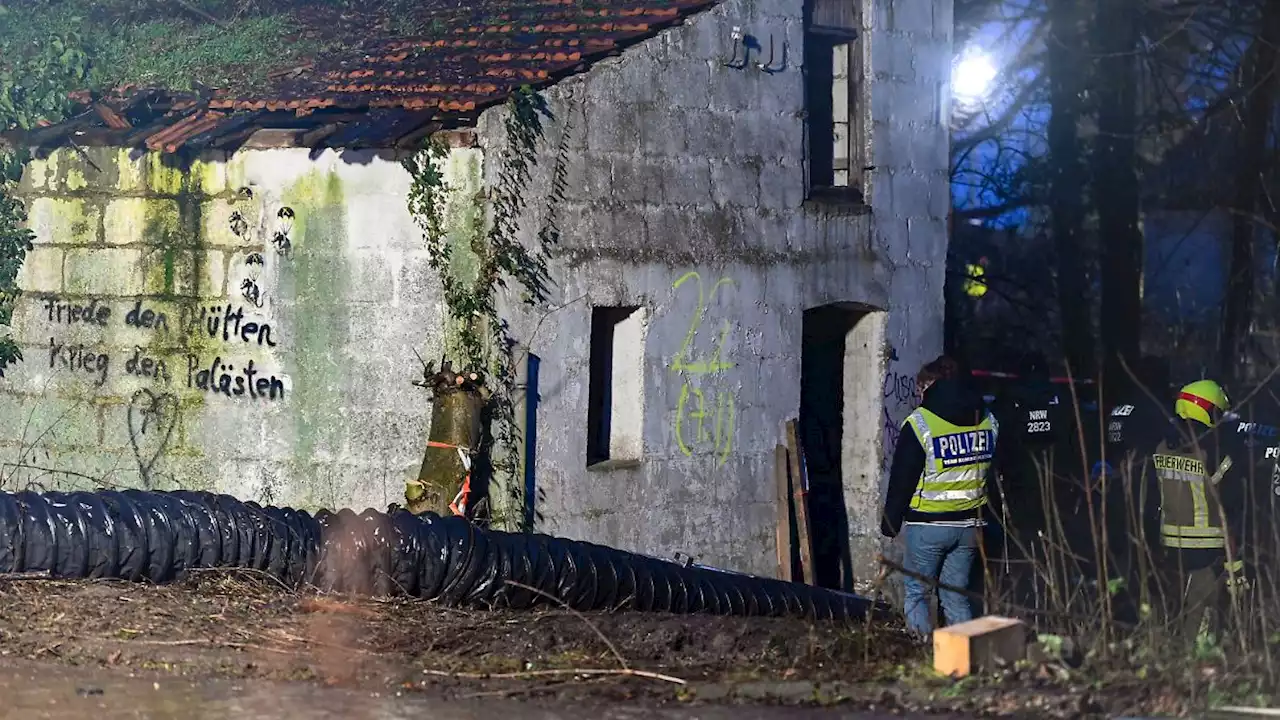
pixel 957 459
pixel 974 284
pixel 1190 518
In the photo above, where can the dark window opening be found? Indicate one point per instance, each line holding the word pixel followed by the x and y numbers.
pixel 615 391
pixel 833 100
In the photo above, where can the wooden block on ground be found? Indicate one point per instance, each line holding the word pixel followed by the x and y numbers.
pixel 979 645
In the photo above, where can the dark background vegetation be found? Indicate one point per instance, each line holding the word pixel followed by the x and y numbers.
pixel 1121 183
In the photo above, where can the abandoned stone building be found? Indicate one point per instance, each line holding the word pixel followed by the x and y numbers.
pixel 748 200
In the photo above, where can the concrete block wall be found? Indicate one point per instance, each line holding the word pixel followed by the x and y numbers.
pixel 686 197
pixel 163 348
pixel 685 177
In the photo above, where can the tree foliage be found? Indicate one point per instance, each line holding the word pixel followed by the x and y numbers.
pixel 36 76
pixel 1110 113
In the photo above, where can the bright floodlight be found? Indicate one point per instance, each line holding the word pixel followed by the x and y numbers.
pixel 972 76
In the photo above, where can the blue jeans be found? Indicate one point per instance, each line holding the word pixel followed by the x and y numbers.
pixel 945 554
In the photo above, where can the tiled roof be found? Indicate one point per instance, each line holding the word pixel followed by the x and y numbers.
pixel 386 94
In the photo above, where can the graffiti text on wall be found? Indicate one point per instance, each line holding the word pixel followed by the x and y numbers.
pixel 891 432
pixel 899 388
pixel 704 416
pixel 899 392
pixel 220 376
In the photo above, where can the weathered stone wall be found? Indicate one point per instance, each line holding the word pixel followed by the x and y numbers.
pixel 686 196
pixel 170 339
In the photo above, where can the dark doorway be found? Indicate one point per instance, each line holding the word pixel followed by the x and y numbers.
pixel 824 379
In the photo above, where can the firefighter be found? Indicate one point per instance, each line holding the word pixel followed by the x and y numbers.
pixel 939 491
pixel 1199 502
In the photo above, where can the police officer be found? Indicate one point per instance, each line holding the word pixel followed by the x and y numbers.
pixel 1135 424
pixel 939 493
pixel 1199 502
pixel 1030 415
pixel 1137 420
pixel 1029 412
pixel 1256 436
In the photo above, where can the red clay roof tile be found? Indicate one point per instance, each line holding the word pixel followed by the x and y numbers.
pixel 475 55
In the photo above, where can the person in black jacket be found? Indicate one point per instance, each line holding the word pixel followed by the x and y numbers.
pixel 940 494
pixel 1139 419
pixel 1031 420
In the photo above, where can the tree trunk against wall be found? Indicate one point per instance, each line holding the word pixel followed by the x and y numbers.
pixel 1259 82
pixel 1066 181
pixel 1115 187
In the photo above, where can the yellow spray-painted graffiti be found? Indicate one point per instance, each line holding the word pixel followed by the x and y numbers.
pixel 715 364
pixel 702 425
pixel 720 435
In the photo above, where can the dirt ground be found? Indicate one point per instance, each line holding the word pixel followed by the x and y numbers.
pixel 220 626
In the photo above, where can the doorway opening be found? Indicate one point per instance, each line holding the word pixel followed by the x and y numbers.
pixel 841 363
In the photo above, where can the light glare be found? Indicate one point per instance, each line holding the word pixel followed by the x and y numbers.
pixel 972 77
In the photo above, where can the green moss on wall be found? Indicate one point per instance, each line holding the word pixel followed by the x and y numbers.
pixel 162 176
pixel 76 179
pixel 39 173
pixel 463 219
pixel 162 235
pixel 74 221
pixel 316 277
pixel 128 174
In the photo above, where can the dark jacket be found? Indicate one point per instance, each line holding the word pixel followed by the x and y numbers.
pixel 1255 432
pixel 1134 426
pixel 957 401
pixel 1033 418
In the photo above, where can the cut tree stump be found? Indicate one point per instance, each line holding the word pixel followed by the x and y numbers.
pixel 979 645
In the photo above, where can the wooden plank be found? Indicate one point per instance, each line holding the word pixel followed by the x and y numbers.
pixel 782 480
pixel 800 486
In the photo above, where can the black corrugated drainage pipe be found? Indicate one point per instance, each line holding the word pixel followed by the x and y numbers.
pixel 157 536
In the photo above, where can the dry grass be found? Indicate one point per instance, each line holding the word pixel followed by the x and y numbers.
pixel 243 625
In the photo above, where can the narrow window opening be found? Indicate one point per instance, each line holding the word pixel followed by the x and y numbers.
pixel 832 72
pixel 615 396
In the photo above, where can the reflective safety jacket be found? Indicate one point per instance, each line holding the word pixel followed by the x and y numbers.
pixel 1191 516
pixel 957 461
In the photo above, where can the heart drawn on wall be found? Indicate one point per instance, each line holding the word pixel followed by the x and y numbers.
pixel 151 421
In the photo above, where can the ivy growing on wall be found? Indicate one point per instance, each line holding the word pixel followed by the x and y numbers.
pixel 36 77
pixel 503 264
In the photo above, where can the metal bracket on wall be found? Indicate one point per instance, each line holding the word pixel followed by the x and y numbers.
pixel 738 39
pixel 767 66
